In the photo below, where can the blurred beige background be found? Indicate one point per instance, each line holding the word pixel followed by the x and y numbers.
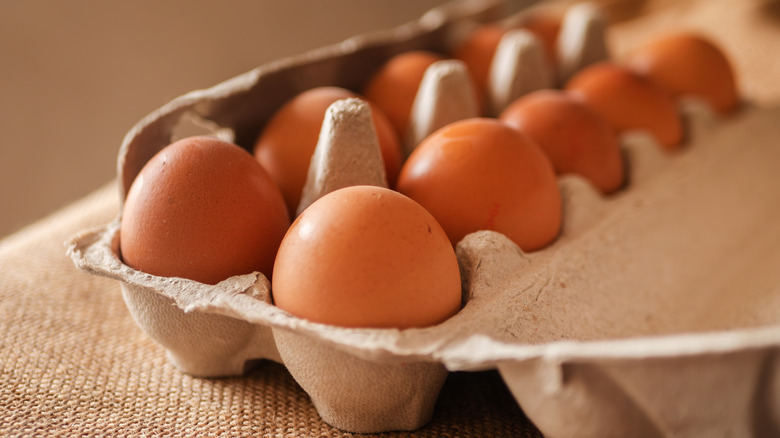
pixel 76 75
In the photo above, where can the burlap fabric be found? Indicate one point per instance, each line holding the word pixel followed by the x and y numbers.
pixel 73 362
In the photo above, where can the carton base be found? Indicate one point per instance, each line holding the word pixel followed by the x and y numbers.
pixel 358 395
pixel 199 344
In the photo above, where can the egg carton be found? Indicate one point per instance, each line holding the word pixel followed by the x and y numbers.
pixel 654 313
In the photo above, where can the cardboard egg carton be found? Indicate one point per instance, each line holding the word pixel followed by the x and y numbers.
pixel 654 313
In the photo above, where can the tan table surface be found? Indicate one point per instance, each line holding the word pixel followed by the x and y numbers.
pixel 74 363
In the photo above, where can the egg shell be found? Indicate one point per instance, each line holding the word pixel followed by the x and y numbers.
pixel 628 101
pixel 366 256
pixel 575 138
pixel 202 209
pixel 478 174
pixel 688 63
pixel 612 330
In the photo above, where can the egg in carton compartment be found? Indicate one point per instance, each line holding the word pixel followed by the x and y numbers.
pixel 653 313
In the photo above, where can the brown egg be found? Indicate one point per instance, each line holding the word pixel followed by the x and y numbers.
pixel 689 64
pixel 367 256
pixel 482 174
pixel 629 101
pixel 286 144
pixel 202 209
pixel 573 136
pixel 394 86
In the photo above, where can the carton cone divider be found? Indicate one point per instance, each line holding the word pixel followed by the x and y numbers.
pixel 519 67
pixel 582 40
pixel 445 95
pixel 347 152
